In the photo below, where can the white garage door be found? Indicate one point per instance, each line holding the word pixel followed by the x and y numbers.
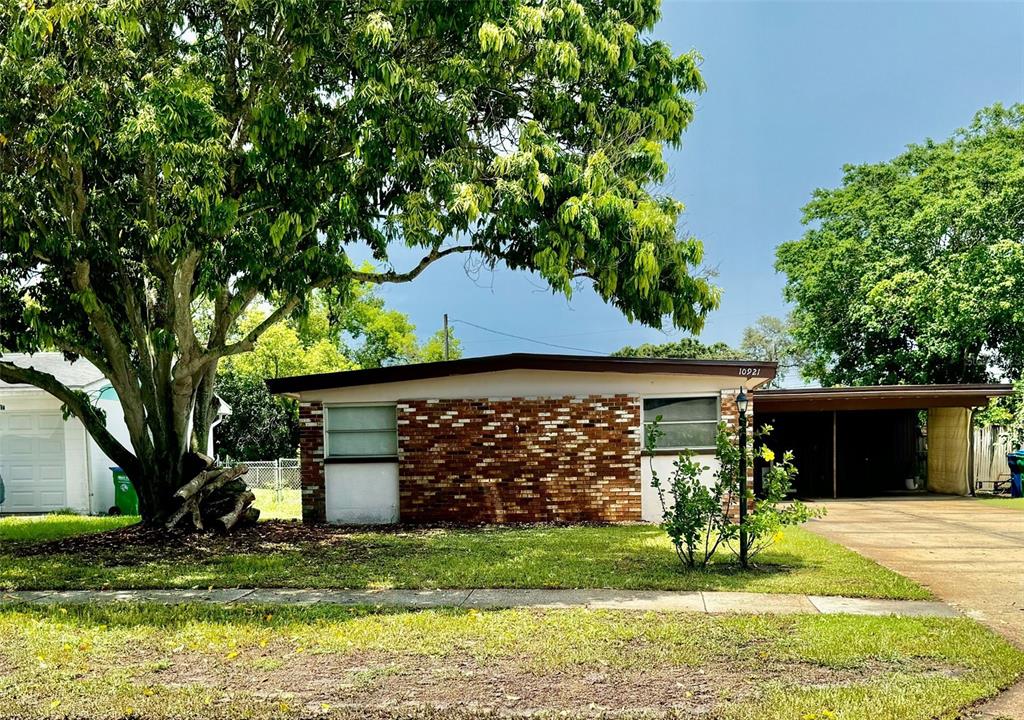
pixel 32 461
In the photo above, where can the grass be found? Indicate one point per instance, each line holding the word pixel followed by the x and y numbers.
pixel 274 506
pixel 39 528
pixel 1003 502
pixel 112 661
pixel 288 555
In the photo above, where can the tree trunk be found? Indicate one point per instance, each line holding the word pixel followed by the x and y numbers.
pixel 156 489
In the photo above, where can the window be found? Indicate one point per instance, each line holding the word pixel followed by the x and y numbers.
pixel 364 431
pixel 686 423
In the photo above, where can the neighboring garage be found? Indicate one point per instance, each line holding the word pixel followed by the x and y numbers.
pixel 32 461
pixel 865 441
pixel 46 462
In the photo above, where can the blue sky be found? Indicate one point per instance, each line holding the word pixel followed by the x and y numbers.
pixel 795 90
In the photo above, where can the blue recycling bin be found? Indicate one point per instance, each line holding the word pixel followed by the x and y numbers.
pixel 1016 462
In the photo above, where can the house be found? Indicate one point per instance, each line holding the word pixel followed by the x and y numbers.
pixel 48 463
pixel 870 440
pixel 506 438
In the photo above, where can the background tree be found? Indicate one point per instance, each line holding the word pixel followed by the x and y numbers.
pixel 433 349
pixel 158 156
pixel 262 426
pixel 771 339
pixel 686 347
pixel 913 269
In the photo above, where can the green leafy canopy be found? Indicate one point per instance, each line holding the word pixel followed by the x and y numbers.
pixel 913 269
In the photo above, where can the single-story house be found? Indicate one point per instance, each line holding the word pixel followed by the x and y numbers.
pixel 48 463
pixel 870 440
pixel 506 438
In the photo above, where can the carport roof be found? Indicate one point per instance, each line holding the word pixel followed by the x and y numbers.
pixel 878 397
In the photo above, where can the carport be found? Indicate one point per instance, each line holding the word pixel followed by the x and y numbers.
pixel 866 441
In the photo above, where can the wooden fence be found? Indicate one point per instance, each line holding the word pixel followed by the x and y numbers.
pixel 990 448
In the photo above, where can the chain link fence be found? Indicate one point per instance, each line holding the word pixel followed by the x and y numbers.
pixel 277 486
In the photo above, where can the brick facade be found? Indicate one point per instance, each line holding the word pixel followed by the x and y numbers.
pixel 731 417
pixel 510 460
pixel 311 454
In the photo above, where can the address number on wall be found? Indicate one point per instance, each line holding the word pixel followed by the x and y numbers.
pixel 749 372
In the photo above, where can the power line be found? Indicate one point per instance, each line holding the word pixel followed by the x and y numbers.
pixel 520 337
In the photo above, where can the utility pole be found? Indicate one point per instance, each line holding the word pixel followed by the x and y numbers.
pixel 446 350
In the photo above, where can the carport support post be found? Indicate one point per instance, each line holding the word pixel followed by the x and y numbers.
pixel 835 462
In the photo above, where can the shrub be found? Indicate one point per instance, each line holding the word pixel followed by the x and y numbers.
pixel 698 518
pixel 772 511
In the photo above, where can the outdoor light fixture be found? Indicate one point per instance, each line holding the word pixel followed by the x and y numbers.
pixel 741 401
pixel 741 405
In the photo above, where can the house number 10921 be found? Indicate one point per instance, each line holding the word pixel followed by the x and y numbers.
pixel 750 372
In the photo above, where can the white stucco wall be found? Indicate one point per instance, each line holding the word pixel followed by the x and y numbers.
pixel 531 383
pixel 650 504
pixel 361 493
pixel 102 480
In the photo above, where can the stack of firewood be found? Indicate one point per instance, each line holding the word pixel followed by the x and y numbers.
pixel 216 498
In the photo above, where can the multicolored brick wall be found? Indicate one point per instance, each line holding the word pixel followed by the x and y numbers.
pixel 731 417
pixel 513 460
pixel 508 460
pixel 311 459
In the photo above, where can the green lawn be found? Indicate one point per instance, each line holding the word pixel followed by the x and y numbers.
pixel 198 661
pixel 56 526
pixel 286 554
pixel 1003 502
pixel 286 505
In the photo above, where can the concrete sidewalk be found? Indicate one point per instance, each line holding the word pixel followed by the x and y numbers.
pixel 702 602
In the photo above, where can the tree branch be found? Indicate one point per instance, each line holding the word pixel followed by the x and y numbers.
pixel 78 403
pixel 396 277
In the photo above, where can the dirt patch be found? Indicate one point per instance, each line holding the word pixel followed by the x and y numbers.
pixel 379 682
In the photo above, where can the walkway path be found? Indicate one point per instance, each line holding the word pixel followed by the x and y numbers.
pixel 969 554
pixel 704 602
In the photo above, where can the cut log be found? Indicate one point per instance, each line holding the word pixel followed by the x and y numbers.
pixel 221 480
pixel 185 508
pixel 244 500
pixel 203 457
pixel 196 484
pixel 213 496
pixel 210 479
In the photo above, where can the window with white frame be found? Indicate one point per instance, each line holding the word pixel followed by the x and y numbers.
pixel 686 423
pixel 362 431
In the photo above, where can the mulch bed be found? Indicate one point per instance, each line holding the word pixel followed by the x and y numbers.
pixel 138 544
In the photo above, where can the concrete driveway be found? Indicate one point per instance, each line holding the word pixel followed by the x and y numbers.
pixel 971 555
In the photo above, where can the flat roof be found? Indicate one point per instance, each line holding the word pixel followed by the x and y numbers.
pixel 744 369
pixel 878 397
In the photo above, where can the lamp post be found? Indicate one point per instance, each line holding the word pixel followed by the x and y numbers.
pixel 741 405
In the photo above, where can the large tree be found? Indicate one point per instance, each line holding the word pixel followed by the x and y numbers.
pixel 158 156
pixel 913 269
pixel 771 338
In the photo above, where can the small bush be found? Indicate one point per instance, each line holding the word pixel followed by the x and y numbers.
pixel 698 518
